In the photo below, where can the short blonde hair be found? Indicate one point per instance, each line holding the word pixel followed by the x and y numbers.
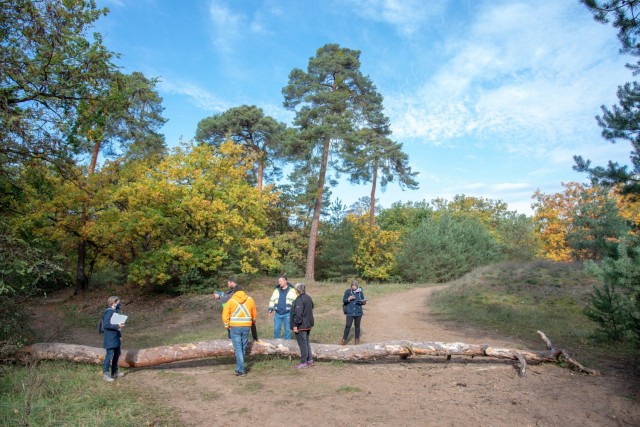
pixel 112 300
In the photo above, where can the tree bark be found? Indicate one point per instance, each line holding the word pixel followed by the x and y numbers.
pixel 372 197
pixel 317 209
pixel 220 348
pixel 82 282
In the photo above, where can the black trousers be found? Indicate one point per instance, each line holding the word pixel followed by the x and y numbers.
pixel 347 328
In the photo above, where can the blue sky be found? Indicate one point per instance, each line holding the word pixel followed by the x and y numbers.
pixel 490 98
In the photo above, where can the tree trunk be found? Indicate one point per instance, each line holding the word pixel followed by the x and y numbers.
pixel 289 348
pixel 372 201
pixel 317 208
pixel 82 282
pixel 260 176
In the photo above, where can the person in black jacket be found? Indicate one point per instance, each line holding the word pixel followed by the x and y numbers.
pixel 301 324
pixel 352 303
pixel 112 340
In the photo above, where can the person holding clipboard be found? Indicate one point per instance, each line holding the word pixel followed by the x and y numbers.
pixel 352 303
pixel 112 338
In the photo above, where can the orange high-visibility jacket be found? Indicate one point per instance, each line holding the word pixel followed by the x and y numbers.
pixel 240 310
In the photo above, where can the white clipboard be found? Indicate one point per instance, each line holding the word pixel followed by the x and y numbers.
pixel 117 319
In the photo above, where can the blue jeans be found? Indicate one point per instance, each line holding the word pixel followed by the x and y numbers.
pixel 280 320
pixel 239 338
pixel 111 360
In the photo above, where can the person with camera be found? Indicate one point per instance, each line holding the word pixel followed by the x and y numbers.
pixel 352 303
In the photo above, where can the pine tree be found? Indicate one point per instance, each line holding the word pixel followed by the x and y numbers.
pixel 329 99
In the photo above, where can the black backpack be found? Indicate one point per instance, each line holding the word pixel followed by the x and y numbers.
pixel 100 326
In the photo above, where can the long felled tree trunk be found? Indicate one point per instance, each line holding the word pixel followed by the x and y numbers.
pixel 288 348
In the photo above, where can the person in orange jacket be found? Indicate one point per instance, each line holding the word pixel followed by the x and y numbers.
pixel 232 283
pixel 238 315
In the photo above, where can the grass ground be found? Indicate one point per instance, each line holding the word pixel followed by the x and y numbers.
pixel 513 299
pixel 67 394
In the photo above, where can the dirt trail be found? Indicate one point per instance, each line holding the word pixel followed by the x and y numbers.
pixel 415 392
pixel 386 319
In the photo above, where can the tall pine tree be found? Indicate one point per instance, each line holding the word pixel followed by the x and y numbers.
pixel 329 99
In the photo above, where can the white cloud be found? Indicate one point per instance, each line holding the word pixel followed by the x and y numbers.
pixel 407 16
pixel 225 25
pixel 230 26
pixel 516 194
pixel 599 153
pixel 278 112
pixel 526 75
pixel 488 188
pixel 260 23
pixel 197 95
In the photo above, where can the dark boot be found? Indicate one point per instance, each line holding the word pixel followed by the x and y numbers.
pixel 357 341
pixel 343 342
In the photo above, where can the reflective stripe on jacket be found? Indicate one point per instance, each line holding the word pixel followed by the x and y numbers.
pixel 240 310
pixel 275 296
pixel 241 316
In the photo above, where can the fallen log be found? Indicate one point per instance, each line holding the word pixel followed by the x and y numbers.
pixel 132 358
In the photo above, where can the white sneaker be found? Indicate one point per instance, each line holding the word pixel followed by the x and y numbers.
pixel 107 377
pixel 117 375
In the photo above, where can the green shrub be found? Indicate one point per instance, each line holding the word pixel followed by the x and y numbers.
pixel 28 268
pixel 615 306
pixel 444 248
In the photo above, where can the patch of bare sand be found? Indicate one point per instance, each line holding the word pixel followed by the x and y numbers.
pixel 403 315
pixel 421 391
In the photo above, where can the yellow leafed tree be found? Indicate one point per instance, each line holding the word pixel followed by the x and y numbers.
pixel 198 211
pixel 552 219
pixel 573 214
pixel 374 255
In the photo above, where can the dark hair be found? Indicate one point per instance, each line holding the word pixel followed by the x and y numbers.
pixel 232 279
pixel 282 276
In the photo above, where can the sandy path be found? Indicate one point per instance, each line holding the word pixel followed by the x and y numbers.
pixel 385 318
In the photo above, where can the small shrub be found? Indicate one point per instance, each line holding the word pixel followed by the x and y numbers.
pixel 615 305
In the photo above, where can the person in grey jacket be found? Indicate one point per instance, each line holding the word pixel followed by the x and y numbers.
pixel 301 324
pixel 112 340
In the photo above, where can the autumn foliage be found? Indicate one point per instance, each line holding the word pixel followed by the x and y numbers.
pixel 582 222
pixel 375 253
